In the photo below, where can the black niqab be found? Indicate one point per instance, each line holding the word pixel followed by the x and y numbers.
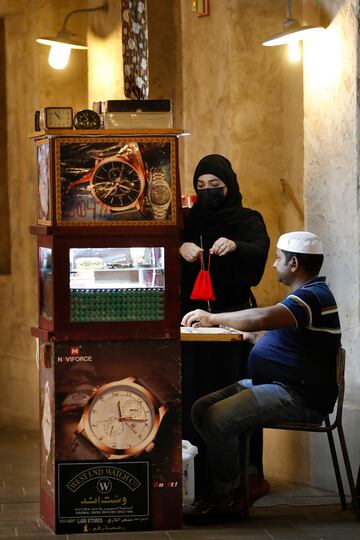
pixel 231 211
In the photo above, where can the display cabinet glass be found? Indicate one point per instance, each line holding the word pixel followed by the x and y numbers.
pixel 108 180
pixel 107 287
pixel 117 284
pixel 46 283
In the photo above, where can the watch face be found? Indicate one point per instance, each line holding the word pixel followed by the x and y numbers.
pixel 86 119
pixel 121 418
pixel 57 117
pixel 159 194
pixel 116 184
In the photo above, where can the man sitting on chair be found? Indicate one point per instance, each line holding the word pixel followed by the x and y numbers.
pixel 292 369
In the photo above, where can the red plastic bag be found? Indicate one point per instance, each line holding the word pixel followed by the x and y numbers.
pixel 203 289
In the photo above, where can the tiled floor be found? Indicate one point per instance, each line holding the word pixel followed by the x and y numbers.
pixel 289 512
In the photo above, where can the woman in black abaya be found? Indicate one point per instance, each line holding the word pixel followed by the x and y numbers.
pixel 237 240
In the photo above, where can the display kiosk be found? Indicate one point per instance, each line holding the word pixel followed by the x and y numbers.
pixel 109 213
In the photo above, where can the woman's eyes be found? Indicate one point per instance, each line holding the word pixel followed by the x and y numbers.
pixel 209 186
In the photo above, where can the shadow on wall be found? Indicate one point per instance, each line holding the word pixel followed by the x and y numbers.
pixel 103 24
pixel 293 462
pixel 321 11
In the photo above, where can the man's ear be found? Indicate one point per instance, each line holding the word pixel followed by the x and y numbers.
pixel 294 263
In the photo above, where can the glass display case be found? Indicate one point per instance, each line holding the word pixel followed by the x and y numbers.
pixel 117 284
pixel 108 180
pixel 94 287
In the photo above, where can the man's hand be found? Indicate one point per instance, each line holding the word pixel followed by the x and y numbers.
pixel 245 320
pixel 222 246
pixel 190 251
pixel 198 318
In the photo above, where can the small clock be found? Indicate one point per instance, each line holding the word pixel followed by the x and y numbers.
pixel 87 119
pixel 37 121
pixel 56 118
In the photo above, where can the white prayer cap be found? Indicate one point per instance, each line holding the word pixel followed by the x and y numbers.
pixel 301 242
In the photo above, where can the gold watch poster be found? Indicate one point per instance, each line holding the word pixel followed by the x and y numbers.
pixel 114 181
pixel 111 445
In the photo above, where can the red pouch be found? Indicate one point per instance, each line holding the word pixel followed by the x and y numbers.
pixel 203 289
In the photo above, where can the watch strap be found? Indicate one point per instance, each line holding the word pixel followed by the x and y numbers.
pixel 164 391
pixel 160 211
pixel 130 153
pixel 82 449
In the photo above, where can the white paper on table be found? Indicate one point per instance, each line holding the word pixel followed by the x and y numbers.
pixel 208 330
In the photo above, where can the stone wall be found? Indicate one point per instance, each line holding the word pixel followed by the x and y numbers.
pixel 331 192
pixel 31 84
pixel 105 67
pixel 331 189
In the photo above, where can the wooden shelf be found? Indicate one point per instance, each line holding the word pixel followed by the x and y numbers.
pixel 108 132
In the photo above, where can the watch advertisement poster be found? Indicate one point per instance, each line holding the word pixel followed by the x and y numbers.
pixel 114 181
pixel 43 176
pixel 117 436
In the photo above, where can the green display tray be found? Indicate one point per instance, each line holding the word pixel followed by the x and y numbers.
pixel 99 305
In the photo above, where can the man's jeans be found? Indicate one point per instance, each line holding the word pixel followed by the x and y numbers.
pixel 221 418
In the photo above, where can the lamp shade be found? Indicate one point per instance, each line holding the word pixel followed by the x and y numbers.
pixel 63 42
pixel 297 33
pixel 63 39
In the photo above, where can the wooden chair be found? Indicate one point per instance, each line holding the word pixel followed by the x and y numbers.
pixel 323 427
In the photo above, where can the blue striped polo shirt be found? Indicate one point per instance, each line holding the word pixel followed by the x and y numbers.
pixel 304 355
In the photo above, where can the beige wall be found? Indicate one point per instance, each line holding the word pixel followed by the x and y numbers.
pixel 105 67
pixel 31 84
pixel 165 55
pixel 331 189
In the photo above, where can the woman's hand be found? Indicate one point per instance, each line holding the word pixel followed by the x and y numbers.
pixel 190 251
pixel 222 246
pixel 198 318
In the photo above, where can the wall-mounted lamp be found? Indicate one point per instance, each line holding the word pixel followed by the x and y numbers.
pixel 63 42
pixel 293 33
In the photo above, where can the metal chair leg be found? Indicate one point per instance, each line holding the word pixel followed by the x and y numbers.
pixel 355 502
pixel 336 466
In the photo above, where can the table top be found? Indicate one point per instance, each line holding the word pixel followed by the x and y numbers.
pixel 188 333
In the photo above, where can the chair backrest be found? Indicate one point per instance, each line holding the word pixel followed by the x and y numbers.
pixel 340 379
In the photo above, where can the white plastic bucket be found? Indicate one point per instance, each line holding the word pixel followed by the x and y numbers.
pixel 188 473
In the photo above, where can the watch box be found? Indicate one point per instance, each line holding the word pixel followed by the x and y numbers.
pixel 105 180
pixel 124 113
